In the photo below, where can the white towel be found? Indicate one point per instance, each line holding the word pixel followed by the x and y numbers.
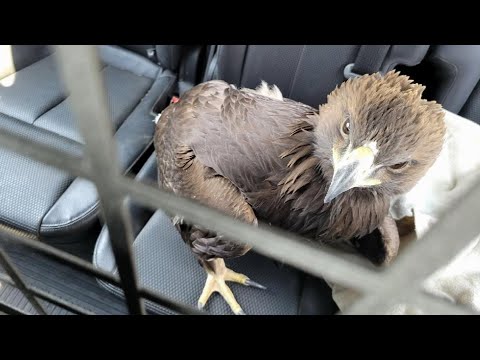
pixel 455 168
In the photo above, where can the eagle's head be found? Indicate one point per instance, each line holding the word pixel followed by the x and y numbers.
pixel 380 134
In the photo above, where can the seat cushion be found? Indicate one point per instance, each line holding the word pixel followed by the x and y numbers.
pixel 166 265
pixel 48 202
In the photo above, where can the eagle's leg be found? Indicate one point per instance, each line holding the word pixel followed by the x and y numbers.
pixel 193 179
pixel 381 246
pixel 217 276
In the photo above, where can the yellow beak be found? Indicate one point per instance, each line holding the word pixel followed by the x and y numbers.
pixel 353 169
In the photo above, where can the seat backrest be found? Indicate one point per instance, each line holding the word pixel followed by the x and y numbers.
pixel 144 50
pixel 460 92
pixel 187 61
pixel 306 73
pixel 16 57
pixel 167 56
pixel 451 74
pixel 471 108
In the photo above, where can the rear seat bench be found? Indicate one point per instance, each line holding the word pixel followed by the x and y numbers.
pixel 165 264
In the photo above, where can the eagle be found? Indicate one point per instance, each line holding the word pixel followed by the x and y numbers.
pixel 327 173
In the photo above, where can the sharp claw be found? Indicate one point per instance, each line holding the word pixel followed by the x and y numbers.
pixel 200 305
pixel 240 312
pixel 249 282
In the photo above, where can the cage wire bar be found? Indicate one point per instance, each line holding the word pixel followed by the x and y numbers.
pixel 50 298
pixel 80 68
pixel 88 268
pixel 17 278
pixel 79 65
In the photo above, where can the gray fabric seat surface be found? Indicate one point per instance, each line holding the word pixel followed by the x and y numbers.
pixel 305 73
pixel 471 109
pixel 166 265
pixel 43 200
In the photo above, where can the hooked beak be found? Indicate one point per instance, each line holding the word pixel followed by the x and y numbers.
pixel 352 170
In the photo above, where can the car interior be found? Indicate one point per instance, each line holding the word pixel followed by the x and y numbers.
pixel 52 206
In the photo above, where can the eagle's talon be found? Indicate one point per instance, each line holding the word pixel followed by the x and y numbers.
pixel 254 284
pixel 217 276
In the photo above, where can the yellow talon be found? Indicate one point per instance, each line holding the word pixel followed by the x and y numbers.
pixel 217 275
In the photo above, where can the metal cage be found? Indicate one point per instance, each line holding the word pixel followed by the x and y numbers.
pixel 400 283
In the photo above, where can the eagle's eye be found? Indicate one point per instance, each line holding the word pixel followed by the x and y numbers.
pixel 399 165
pixel 346 127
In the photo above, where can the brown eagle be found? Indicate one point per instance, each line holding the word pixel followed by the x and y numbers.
pixel 327 174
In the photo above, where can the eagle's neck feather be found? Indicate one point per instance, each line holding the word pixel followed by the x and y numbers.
pixel 304 185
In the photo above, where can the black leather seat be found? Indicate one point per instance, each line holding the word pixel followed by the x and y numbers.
pixel 165 264
pixel 46 202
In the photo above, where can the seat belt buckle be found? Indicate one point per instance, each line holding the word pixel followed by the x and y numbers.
pixel 348 73
pixel 152 54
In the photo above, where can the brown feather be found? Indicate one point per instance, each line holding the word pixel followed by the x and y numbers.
pixel 289 181
pixel 301 152
pixel 253 156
